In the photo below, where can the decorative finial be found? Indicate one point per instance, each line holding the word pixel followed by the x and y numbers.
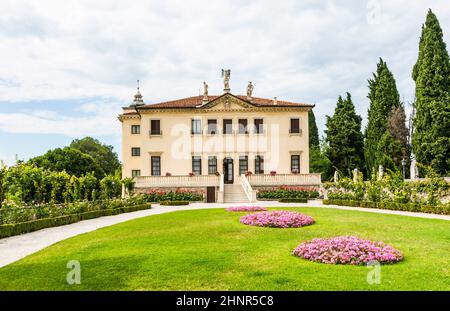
pixel 249 90
pixel 205 92
pixel 226 80
pixel 138 101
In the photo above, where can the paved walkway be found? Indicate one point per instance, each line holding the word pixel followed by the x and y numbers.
pixel 20 246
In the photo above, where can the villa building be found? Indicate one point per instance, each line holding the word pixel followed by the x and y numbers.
pixel 226 145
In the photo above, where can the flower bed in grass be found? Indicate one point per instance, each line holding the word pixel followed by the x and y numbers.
pixel 246 209
pixel 347 250
pixel 277 219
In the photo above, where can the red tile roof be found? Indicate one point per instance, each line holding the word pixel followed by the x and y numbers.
pixel 193 102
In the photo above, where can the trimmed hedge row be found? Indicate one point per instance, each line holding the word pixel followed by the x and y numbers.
pixel 8 230
pixel 286 194
pixel 408 207
pixel 174 203
pixel 293 200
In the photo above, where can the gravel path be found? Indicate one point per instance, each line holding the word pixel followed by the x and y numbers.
pixel 20 246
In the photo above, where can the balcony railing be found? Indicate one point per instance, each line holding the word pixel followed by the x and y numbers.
pixel 284 179
pixel 177 181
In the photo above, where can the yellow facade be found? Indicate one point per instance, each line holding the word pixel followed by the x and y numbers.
pixel 175 145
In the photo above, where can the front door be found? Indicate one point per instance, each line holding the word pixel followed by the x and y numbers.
pixel 210 194
pixel 228 171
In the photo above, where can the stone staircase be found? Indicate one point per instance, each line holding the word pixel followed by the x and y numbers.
pixel 234 194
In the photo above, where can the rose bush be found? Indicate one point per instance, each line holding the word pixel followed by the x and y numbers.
pixel 347 250
pixel 277 219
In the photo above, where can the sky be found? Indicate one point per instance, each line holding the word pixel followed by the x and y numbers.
pixel 67 67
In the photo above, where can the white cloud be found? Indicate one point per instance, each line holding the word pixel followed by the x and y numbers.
pixel 307 51
pixel 99 120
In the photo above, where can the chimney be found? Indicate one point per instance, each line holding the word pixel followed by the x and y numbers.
pixel 275 101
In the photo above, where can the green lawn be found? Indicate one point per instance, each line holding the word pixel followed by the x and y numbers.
pixel 211 250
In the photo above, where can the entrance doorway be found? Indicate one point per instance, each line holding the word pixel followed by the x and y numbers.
pixel 228 170
pixel 210 194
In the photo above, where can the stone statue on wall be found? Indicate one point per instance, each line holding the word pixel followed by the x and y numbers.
pixel 336 176
pixel 249 90
pixel 226 79
pixel 380 172
pixel 355 175
pixel 414 170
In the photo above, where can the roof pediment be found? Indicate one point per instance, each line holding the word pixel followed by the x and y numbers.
pixel 227 101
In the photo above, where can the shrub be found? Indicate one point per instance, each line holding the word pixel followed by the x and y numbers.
pixel 347 250
pixel 277 219
pixel 11 212
pixel 178 195
pixel 246 209
pixel 287 192
pixel 174 203
pixel 390 205
pixel 293 200
pixel 7 230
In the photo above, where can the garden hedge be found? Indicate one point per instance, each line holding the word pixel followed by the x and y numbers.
pixel 174 203
pixel 285 193
pixel 34 225
pixel 409 207
pixel 293 200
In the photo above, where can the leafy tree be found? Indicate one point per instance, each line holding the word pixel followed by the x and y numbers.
pixel 103 154
pixel 319 163
pixel 383 96
pixel 344 138
pixel 431 138
pixel 313 131
pixel 68 159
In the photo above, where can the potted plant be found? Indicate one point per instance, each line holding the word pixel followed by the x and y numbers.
pixel 168 174
pixel 191 174
pixel 248 173
pixel 273 173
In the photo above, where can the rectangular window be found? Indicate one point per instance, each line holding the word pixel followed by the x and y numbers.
pixel 197 165
pixel 259 164
pixel 242 126
pixel 259 126
pixel 135 152
pixel 135 173
pixel 135 129
pixel 212 165
pixel 295 126
pixel 155 127
pixel 212 127
pixel 156 165
pixel 227 126
pixel 295 164
pixel 196 126
pixel 243 164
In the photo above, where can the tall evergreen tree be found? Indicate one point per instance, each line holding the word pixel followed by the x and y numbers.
pixel 383 96
pixel 431 135
pixel 344 138
pixel 392 146
pixel 313 131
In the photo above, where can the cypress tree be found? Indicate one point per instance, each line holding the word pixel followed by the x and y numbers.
pixel 383 96
pixel 313 131
pixel 431 135
pixel 344 138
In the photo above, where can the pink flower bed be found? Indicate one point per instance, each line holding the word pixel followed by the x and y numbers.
pixel 347 250
pixel 277 219
pixel 246 209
